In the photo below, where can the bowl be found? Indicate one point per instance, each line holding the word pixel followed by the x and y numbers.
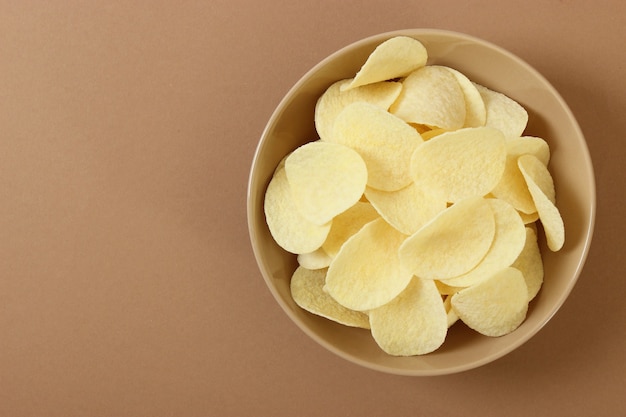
pixel 292 124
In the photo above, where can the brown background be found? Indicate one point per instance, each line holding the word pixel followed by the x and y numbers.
pixel 127 282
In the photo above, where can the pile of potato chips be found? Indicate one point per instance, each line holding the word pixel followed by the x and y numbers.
pixel 418 205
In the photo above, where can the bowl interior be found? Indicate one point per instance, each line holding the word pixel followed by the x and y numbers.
pixel 549 118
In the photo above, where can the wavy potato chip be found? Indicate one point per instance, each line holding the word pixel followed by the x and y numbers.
pixel 325 179
pixel 406 209
pixel 347 224
pixel 431 96
pixel 508 242
pixel 394 58
pixel 503 113
pixel 414 323
pixel 529 262
pixel 460 164
pixel 384 142
pixel 496 306
pixel 307 290
pixel 334 100
pixel 367 273
pixel 453 243
pixel 288 227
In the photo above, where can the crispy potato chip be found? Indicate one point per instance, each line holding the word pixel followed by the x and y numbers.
pixel 530 264
pixel 541 189
pixel 508 242
pixel 406 209
pixel 288 227
pixel 333 101
pixel 367 273
pixel 347 224
pixel 325 179
pixel 317 259
pixel 464 163
pixel 445 289
pixel 432 96
pixel 475 111
pixel 451 314
pixel 384 142
pixel 432 133
pixel 503 112
pixel 496 306
pixel 308 293
pixel 453 243
pixel 414 323
pixel 394 58
pixel 512 186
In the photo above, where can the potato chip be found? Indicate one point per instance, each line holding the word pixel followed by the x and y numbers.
pixel 325 179
pixel 406 209
pixel 453 243
pixel 333 101
pixel 475 111
pixel 496 306
pixel 508 242
pixel 464 163
pixel 308 293
pixel 318 259
pixel 414 323
pixel 529 262
pixel 384 142
pixel 512 186
pixel 445 289
pixel 432 96
pixel 288 227
pixel 367 273
pixel 503 113
pixel 394 58
pixel 450 313
pixel 347 224
pixel 541 189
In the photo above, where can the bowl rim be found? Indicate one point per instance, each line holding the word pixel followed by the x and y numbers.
pixel 588 232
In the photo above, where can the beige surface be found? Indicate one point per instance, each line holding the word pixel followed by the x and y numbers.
pixel 127 282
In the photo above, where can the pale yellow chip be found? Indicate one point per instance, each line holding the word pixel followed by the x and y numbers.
pixel 367 273
pixel 406 209
pixel 529 218
pixel 318 259
pixel 394 58
pixel 431 96
pixel 414 323
pixel 307 290
pixel 503 112
pixel 347 224
pixel 541 189
pixel 512 186
pixel 464 163
pixel 496 306
pixel 333 101
pixel 451 314
pixel 288 227
pixel 508 242
pixel 384 142
pixel 325 179
pixel 445 289
pixel 453 243
pixel 429 134
pixel 475 110
pixel 530 264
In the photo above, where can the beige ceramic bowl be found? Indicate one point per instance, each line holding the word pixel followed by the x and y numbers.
pixel 549 117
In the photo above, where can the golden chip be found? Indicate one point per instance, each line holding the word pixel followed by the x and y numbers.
pixel 541 189
pixel 394 58
pixel 325 179
pixel 317 259
pixel 347 224
pixel 288 227
pixel 464 163
pixel 333 101
pixel 414 323
pixel 530 264
pixel 508 242
pixel 367 273
pixel 431 96
pixel 503 113
pixel 308 293
pixel 496 306
pixel 406 209
pixel 453 243
pixel 384 142
pixel 475 111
